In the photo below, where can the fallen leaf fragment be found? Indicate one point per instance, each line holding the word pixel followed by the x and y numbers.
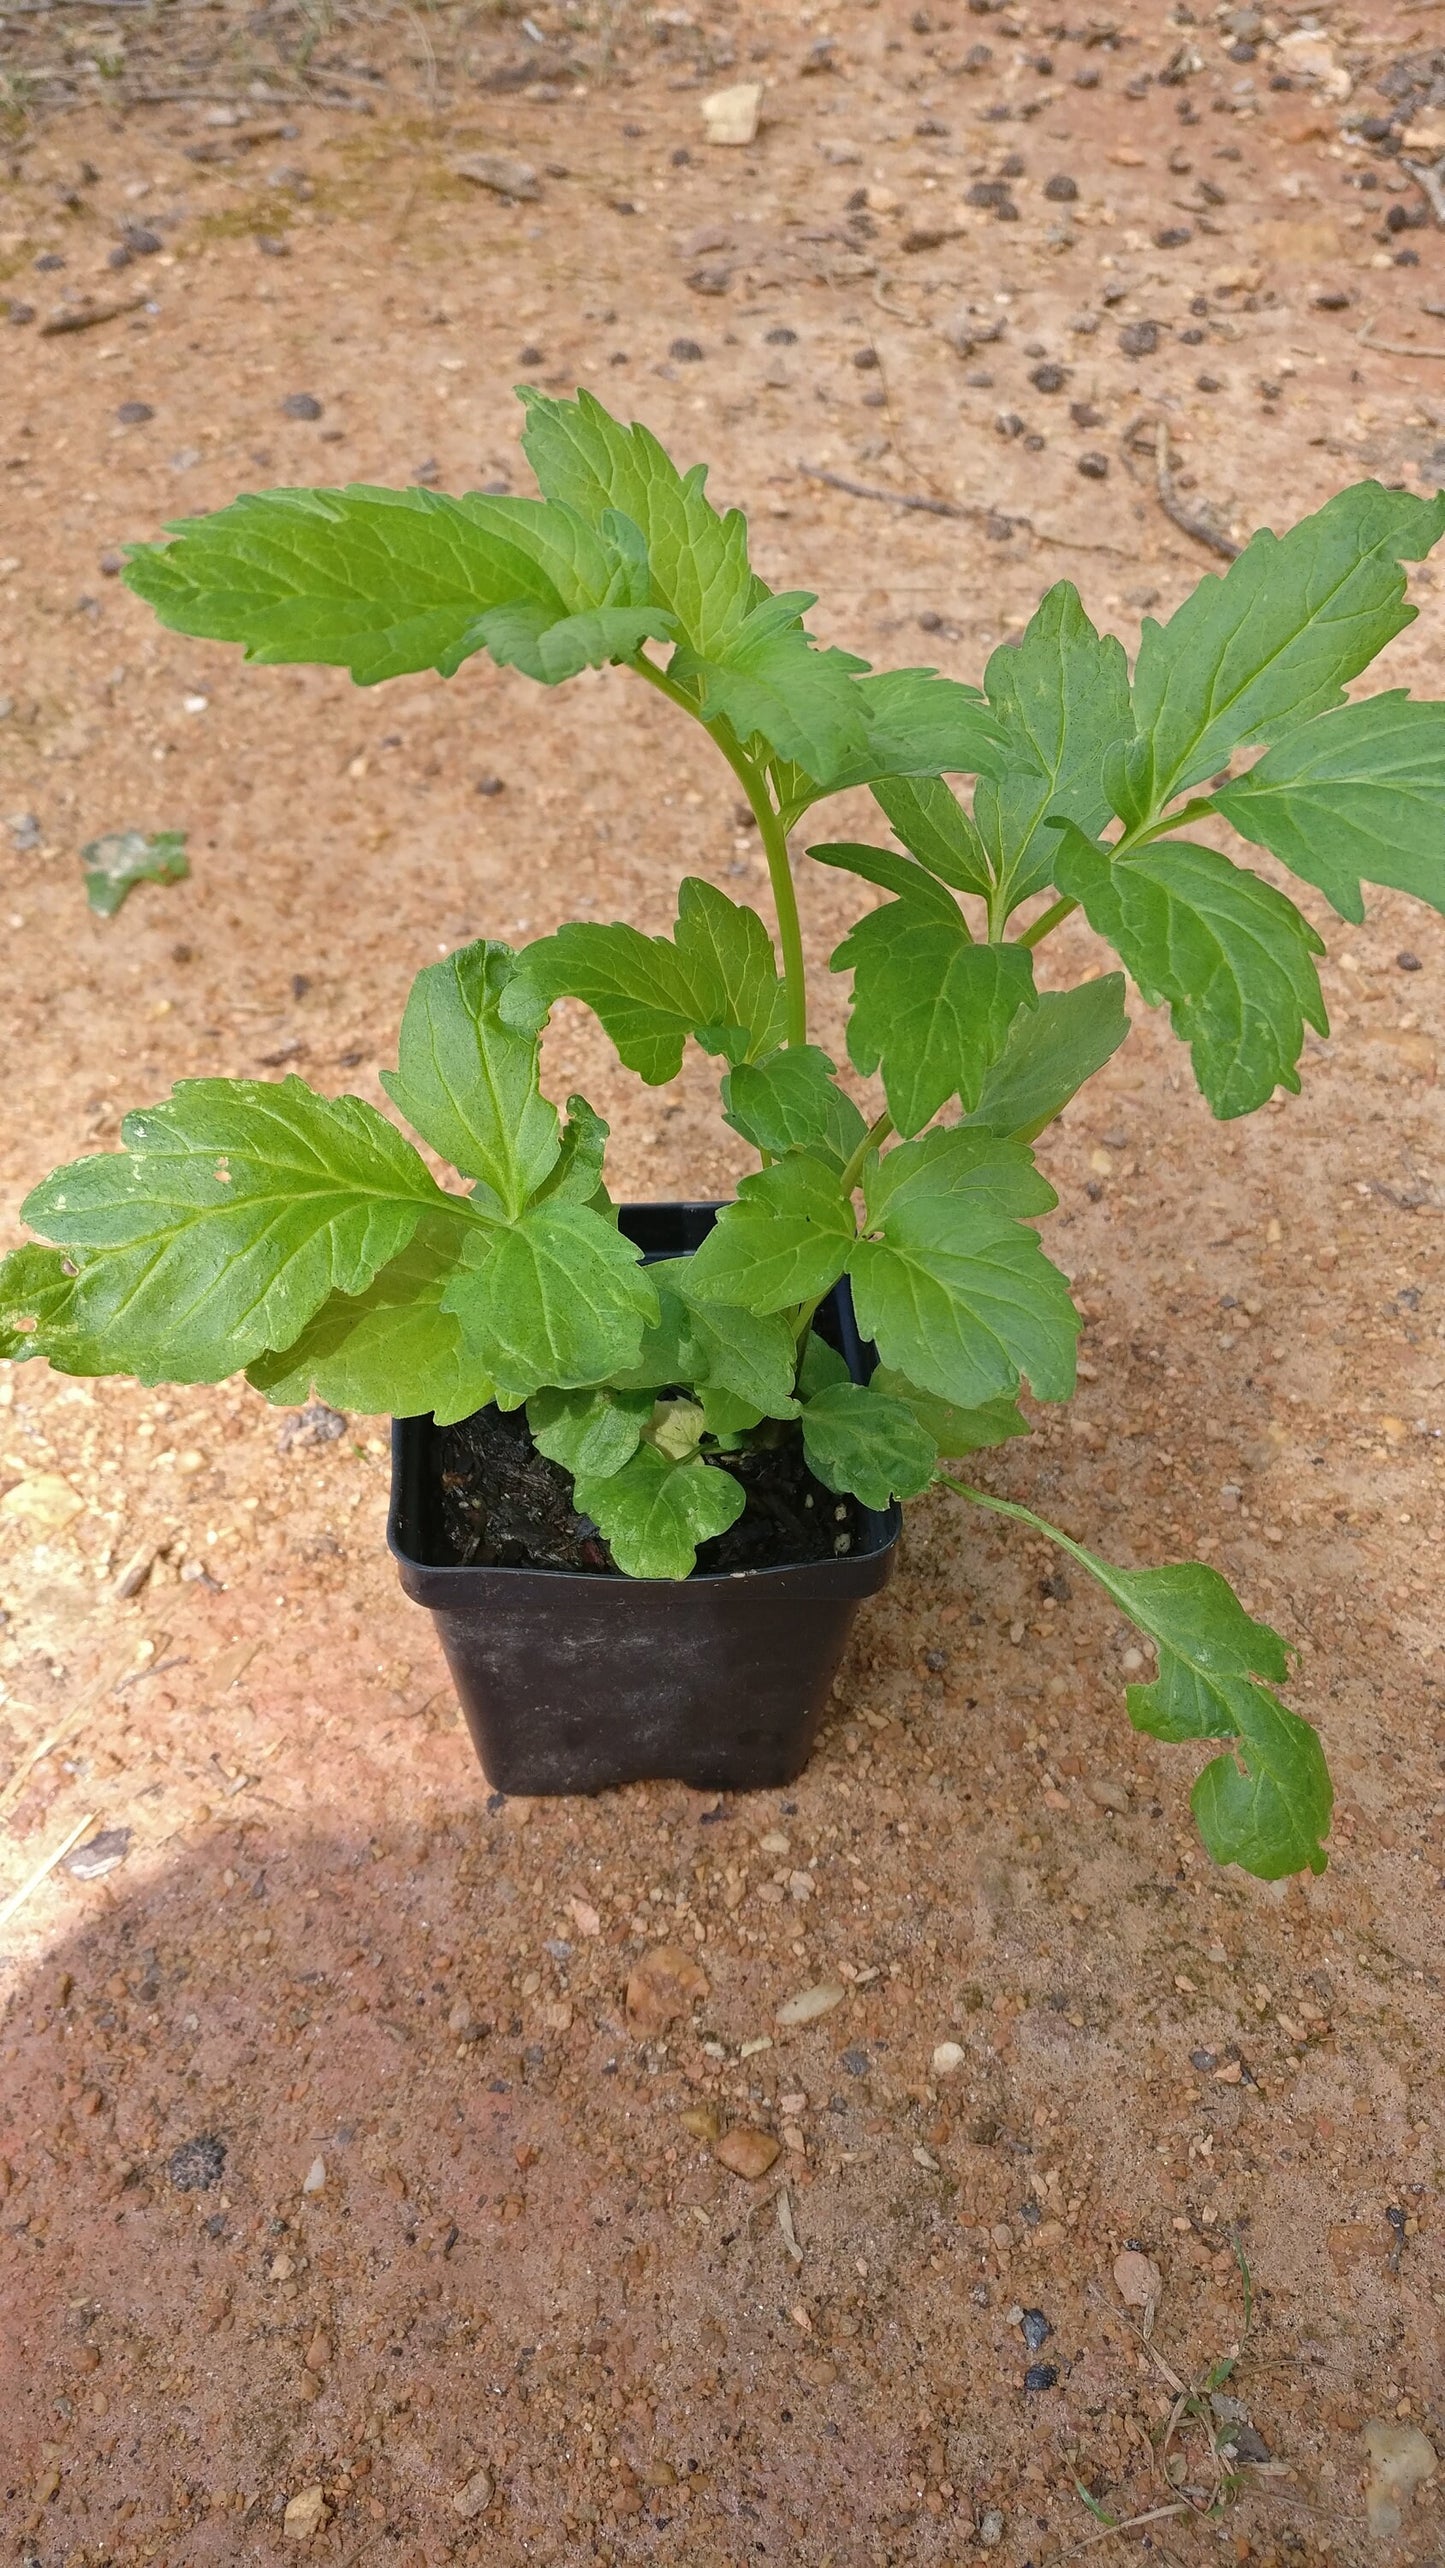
pixel 665 1984
pixel 812 2002
pixel 746 2150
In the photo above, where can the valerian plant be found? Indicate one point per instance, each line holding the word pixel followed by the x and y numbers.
pixel 257 1224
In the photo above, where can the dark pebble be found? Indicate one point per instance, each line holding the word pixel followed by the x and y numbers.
pixel 1191 338
pixel 1173 236
pixel 272 246
pixel 1012 167
pixel 1407 258
pixel 490 786
pixel 1087 78
pixel 930 621
pixel 987 191
pixel 682 157
pixel 50 260
pixel 99 1855
pixel 619 357
pixel 1408 963
pixel 119 258
pixel 530 356
pixel 197 2164
pixel 1207 383
pixel 1049 378
pixel 1239 51
pixel 111 564
pixel 1094 466
pixel 1061 189
pixel 978 58
pixel 865 359
pixel 782 337
pixel 875 400
pixel 1139 338
pixel 141 241
pixel 686 351
pixel 1042 2376
pixel 1204 2061
pixel 1036 2329
pixel 979 378
pixel 1332 298
pixel 1374 129
pixel 301 405
pixel 856 2063
pixel 931 125
pixel 1009 424
pixel 1084 414
pixel 710 280
pixel 1008 212
pixel 20 313
pixel 1035 445
pixel 134 414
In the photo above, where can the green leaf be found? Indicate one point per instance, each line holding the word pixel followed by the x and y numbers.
pixel 954 1431
pixel 1358 794
pixel 468 1082
pixel 385 581
pixel 227 1219
pixel 594 1431
pixel 578 1172
pixel 934 827
pixel 821 1366
pixel 770 680
pixel 116 863
pixel 390 1351
pixel 665 1354
pixel 929 1006
pixel 753 1359
pixel 1049 1052
pixel 1271 1816
pixel 653 1513
pixel 788 1101
pixel 717 980
pixel 894 873
pixel 959 1298
pixel 1280 635
pixel 784 1241
pixel 37 1291
pixel 1061 695
pixel 858 1440
pixel 556 1298
pixel 916 724
pixel 990 1175
pixel 1230 954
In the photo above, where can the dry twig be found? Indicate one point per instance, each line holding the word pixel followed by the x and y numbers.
pixel 1393 347
pixel 911 498
pixel 17 1898
pixel 87 316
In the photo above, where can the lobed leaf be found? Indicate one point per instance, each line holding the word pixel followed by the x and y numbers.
pixel 933 825
pixel 961 1299
pixel 467 1082
pixel 784 1241
pixel 894 873
pixel 993 1176
pixel 954 1431
pixel 930 1008
pixel 555 1299
pixel 1061 698
pixel 1049 1052
pixel 653 1513
pixel 859 1440
pixel 790 1101
pixel 751 1358
pixel 37 1292
pixel 594 1431
pixel 915 724
pixel 1278 637
pixel 1354 796
pixel 230 1215
pixel 1231 955
pixel 717 979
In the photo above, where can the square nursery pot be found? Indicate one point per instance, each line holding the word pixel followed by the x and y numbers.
pixel 572 1682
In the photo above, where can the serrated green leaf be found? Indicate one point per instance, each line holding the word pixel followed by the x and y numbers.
pixel 115 864
pixel 1231 955
pixel 37 1293
pixel 1271 1816
pixel 594 1431
pixel 1280 635
pixel 771 681
pixel 976 1168
pixel 859 1441
pixel 578 1172
pixel 916 724
pixel 716 979
pixel 653 1513
pixel 1061 696
pixel 661 1359
pixel 954 1431
pixel 390 1351
pixel 227 1219
pixel 1357 795
pixel 784 1241
pixel 934 827
pixel 930 1008
pixel 468 1082
pixel 894 873
pixel 552 648
pixel 556 1298
pixel 789 1101
pixel 750 1357
pixel 963 1301
pixel 1049 1052
pixel 382 582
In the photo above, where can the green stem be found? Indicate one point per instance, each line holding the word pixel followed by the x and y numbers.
pixel 1048 920
pixel 1023 1516
pixel 775 847
pixel 875 1133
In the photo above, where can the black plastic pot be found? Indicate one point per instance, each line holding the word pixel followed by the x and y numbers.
pixel 573 1682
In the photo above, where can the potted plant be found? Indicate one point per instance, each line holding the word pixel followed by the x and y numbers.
pixel 648 1461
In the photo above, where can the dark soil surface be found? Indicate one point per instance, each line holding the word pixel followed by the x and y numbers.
pixel 505 1506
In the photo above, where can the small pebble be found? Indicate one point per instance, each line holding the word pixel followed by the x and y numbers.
pixel 782 337
pixel 301 405
pixel 1172 236
pixel 197 2164
pixel 305 2514
pixel 1139 338
pixel 474 2496
pixel 1094 466
pixel 1036 2329
pixel 1042 2376
pixel 315 2177
pixel 1061 189
pixel 686 351
pixel 1408 963
pixel 134 414
pixel 1207 383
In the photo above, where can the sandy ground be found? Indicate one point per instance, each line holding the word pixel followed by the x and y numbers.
pixel 462 2232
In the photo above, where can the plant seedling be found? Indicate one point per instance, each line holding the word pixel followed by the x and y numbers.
pixel 302 1237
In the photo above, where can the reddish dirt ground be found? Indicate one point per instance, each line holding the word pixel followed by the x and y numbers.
pixel 520 2274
